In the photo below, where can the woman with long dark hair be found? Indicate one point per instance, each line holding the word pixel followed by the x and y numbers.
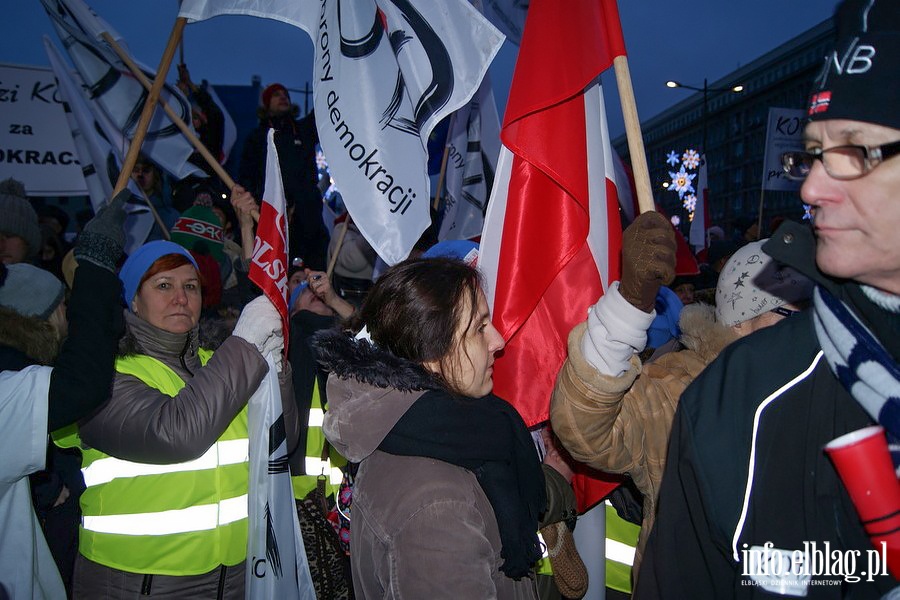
pixel 450 491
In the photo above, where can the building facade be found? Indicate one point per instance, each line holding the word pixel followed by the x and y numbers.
pixel 735 130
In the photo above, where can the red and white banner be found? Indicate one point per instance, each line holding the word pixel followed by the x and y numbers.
pixel 552 237
pixel 269 264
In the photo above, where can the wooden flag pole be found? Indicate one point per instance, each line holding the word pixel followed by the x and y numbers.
pixel 156 217
pixel 337 247
pixel 182 126
pixel 440 183
pixel 149 105
pixel 759 229
pixel 633 132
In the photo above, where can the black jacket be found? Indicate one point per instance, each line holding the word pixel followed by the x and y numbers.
pixel 295 140
pixel 746 464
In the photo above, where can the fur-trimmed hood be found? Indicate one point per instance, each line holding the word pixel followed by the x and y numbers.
pixel 363 361
pixel 34 337
pixel 701 333
pixel 368 391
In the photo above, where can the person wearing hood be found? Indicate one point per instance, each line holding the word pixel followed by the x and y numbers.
pixel 749 499
pixel 37 330
pixel 165 460
pixel 449 494
pixel 613 413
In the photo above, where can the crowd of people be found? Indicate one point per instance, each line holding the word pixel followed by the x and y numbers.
pixel 125 380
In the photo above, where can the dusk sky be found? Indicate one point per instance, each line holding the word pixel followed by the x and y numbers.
pixel 665 40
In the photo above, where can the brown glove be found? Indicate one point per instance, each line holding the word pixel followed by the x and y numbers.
pixel 648 259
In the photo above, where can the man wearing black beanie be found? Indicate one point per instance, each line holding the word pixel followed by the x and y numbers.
pixel 750 502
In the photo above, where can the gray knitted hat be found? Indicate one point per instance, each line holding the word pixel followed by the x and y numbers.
pixel 17 216
pixel 30 291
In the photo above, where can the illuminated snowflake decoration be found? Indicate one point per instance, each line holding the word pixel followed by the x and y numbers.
pixel 807 214
pixel 682 182
pixel 690 203
pixel 672 158
pixel 690 159
pixel 676 220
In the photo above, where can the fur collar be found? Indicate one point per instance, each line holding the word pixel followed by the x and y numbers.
pixel 701 333
pixel 365 362
pixel 33 337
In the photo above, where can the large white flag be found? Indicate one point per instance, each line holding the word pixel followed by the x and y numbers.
pixel 277 567
pixel 114 89
pixel 99 146
pixel 473 147
pixel 385 73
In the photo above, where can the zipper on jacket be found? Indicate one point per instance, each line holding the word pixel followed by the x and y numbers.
pixel 187 346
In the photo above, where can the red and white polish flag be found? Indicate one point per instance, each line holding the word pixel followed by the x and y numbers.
pixel 552 237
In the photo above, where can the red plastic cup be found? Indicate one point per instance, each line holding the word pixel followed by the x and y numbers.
pixel 864 464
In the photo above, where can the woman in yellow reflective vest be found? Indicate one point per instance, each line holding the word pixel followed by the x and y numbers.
pixel 165 460
pixel 314 306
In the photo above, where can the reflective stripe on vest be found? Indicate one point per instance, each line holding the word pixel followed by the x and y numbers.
pixel 621 541
pixel 176 519
pixel 543 566
pixel 228 452
pixel 314 465
pixel 194 518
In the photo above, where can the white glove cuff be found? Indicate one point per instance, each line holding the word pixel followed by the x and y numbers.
pixel 616 330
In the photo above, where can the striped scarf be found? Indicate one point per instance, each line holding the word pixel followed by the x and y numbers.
pixel 860 362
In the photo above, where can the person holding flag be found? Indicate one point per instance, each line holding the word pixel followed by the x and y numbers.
pixel 165 461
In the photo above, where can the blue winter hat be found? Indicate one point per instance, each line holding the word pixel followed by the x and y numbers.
pixel 296 294
pixel 463 250
pixel 137 264
pixel 665 325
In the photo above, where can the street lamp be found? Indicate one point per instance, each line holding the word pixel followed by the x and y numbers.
pixel 736 89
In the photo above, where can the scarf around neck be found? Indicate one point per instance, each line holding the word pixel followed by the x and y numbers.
pixel 488 437
pixel 859 361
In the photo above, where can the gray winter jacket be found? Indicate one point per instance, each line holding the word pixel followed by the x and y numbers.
pixel 421 528
pixel 142 424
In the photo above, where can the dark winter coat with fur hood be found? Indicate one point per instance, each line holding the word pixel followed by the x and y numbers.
pixel 422 528
pixel 621 424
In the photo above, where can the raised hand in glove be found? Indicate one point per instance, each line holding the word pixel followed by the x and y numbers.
pixel 260 324
pixel 103 237
pixel 648 259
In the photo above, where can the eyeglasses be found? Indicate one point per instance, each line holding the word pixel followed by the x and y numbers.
pixel 840 162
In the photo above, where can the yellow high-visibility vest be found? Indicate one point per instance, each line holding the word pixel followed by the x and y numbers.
pixel 315 466
pixel 175 519
pixel 621 541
